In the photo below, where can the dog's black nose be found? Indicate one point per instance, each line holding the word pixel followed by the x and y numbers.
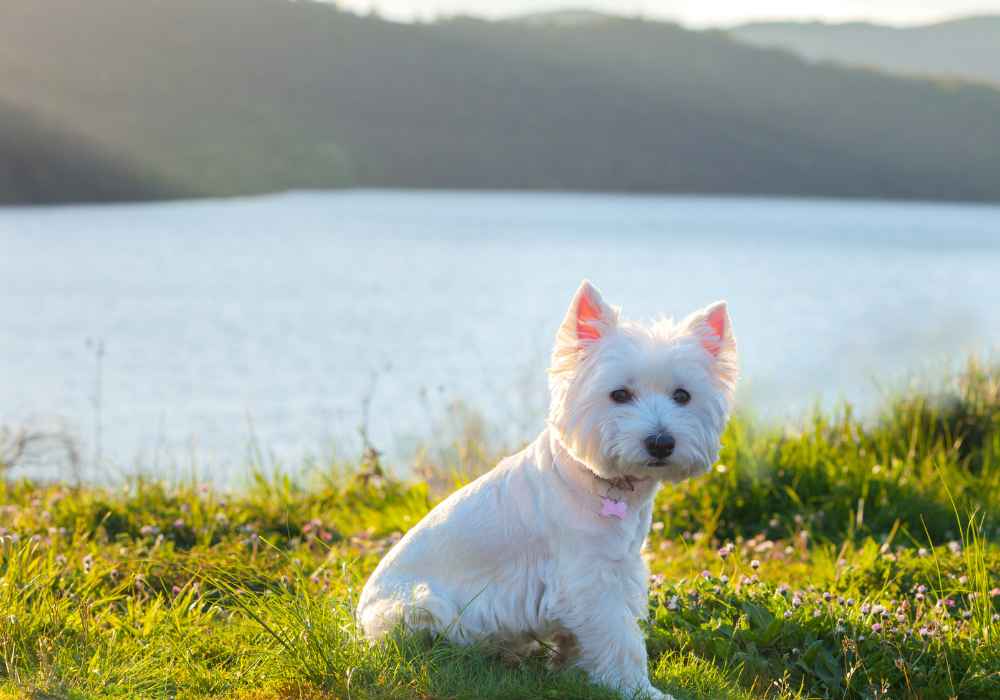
pixel 660 445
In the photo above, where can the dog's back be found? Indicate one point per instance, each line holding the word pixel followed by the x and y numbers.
pixel 467 559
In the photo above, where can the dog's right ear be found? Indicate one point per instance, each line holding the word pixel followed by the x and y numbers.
pixel 587 320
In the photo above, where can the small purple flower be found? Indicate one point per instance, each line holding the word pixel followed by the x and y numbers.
pixel 755 564
pixel 877 627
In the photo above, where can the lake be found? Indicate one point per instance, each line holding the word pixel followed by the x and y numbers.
pixel 176 337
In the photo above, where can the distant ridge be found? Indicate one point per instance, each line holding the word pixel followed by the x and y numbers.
pixel 562 18
pixel 241 96
pixel 40 164
pixel 967 47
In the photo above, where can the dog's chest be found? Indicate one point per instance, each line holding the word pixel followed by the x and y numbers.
pixel 599 541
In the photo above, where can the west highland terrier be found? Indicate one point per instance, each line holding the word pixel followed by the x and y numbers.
pixel 547 546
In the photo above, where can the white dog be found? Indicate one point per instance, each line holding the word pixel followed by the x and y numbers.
pixel 547 546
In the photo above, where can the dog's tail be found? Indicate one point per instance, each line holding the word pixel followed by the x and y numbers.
pixel 420 609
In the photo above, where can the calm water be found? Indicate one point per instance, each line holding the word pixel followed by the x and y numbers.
pixel 274 318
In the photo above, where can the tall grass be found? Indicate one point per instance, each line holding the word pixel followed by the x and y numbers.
pixel 845 559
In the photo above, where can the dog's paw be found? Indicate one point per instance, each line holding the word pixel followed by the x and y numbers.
pixel 653 693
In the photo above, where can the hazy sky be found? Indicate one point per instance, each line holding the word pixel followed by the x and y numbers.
pixel 694 13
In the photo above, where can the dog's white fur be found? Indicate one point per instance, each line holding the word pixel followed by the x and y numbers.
pixel 523 553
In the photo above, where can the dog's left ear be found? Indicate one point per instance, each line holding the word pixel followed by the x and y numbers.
pixel 587 320
pixel 715 330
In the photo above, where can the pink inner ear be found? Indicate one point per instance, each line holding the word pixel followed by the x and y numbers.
pixel 717 322
pixel 586 312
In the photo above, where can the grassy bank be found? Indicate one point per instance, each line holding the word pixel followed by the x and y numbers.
pixel 840 560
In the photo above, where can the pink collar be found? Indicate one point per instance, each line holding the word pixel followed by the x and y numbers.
pixel 613 507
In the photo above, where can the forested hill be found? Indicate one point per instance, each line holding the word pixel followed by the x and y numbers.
pixel 44 165
pixel 966 48
pixel 235 96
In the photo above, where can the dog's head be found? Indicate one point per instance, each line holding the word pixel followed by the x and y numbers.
pixel 631 399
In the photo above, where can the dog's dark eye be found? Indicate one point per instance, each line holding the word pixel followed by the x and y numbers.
pixel 621 395
pixel 681 396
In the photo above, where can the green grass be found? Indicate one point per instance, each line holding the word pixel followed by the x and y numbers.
pixel 844 560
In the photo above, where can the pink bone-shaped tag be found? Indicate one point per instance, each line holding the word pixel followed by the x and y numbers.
pixel 610 508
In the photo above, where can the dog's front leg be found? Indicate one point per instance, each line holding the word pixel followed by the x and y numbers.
pixel 612 650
